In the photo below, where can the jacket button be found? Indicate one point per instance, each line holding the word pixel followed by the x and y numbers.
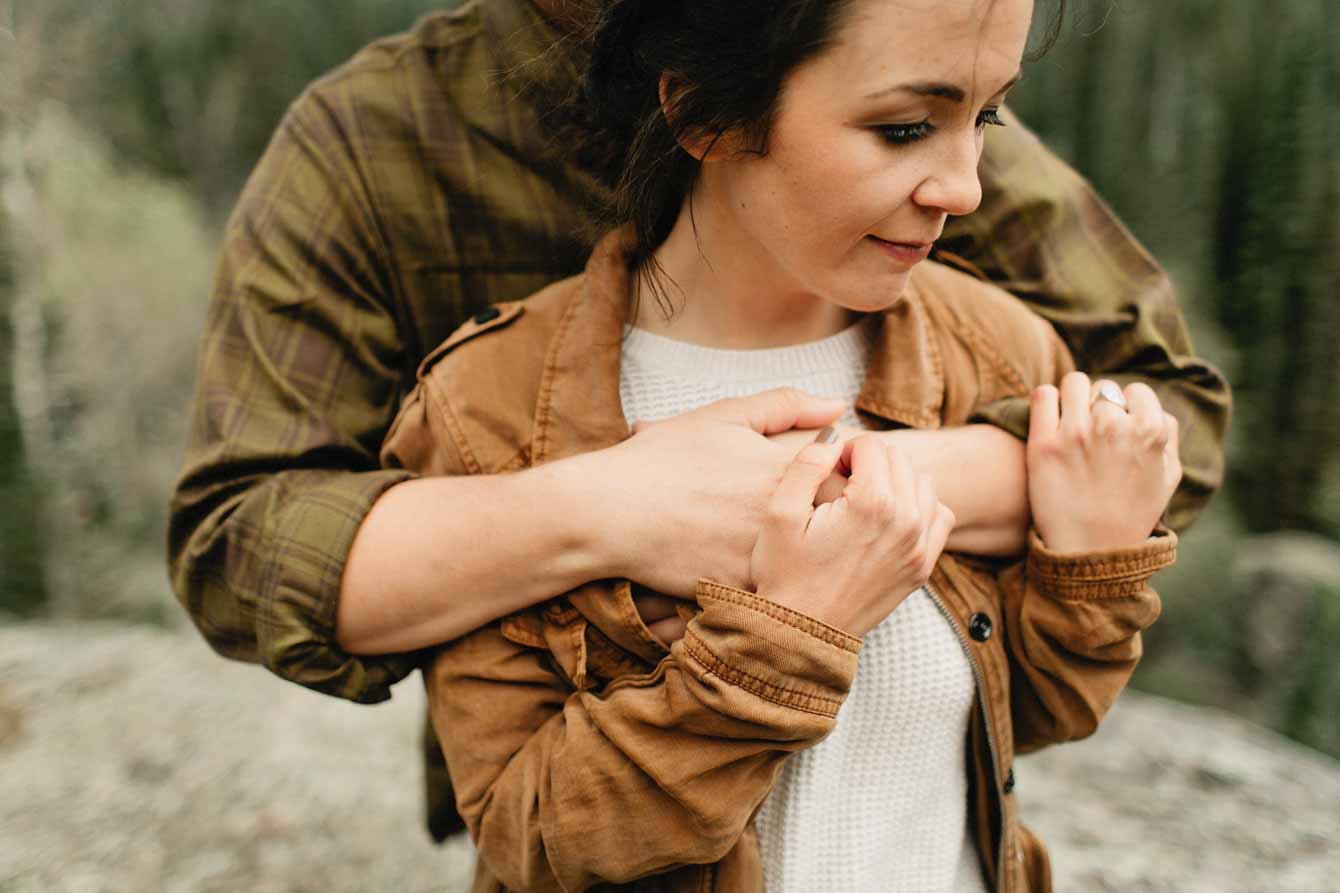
pixel 1009 781
pixel 487 315
pixel 979 627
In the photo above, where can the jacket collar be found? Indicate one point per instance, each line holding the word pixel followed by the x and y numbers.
pixel 579 409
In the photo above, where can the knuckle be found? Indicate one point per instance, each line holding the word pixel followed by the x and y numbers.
pixel 906 527
pixel 895 455
pixel 867 442
pixel 876 507
pixel 1074 378
pixel 1046 447
pixel 1150 432
pixel 1140 390
pixel 776 513
pixel 809 454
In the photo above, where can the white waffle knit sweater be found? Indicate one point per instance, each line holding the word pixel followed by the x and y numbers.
pixel 881 803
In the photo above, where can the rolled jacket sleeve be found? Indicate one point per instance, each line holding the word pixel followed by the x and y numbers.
pixel 1073 630
pixel 1043 234
pixel 563 789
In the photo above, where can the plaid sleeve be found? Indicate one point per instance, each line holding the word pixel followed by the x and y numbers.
pixel 1042 233
pixel 300 371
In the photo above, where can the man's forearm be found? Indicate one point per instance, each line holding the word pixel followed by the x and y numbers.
pixel 980 474
pixel 438 557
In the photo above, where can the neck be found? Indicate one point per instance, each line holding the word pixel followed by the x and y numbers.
pixel 726 291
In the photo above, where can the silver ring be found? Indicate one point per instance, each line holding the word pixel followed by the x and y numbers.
pixel 1109 392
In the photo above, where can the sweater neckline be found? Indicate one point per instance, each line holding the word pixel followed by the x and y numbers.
pixel 651 351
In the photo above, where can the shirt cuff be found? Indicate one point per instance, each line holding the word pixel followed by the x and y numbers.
pixel 308 536
pixel 1009 414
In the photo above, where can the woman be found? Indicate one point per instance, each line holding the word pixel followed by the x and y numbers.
pixel 784 176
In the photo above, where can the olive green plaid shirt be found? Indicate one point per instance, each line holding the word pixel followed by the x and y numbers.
pixel 415 186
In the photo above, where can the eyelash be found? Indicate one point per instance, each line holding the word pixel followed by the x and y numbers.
pixel 903 134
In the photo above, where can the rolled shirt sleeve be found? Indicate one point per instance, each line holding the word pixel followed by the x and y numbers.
pixel 300 374
pixel 398 196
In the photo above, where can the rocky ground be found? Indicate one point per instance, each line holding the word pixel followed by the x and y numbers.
pixel 134 759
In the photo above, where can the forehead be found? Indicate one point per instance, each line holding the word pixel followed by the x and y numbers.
pixel 976 44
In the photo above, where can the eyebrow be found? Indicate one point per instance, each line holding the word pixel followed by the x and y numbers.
pixel 940 90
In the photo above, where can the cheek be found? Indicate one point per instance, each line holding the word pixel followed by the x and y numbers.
pixel 840 188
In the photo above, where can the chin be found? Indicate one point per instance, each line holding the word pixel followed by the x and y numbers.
pixel 881 295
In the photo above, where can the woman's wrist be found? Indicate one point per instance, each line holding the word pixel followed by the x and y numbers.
pixel 990 502
pixel 1069 543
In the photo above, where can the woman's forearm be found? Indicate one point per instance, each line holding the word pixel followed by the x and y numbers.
pixel 439 556
pixel 981 474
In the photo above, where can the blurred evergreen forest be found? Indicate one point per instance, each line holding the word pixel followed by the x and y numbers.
pixel 127 128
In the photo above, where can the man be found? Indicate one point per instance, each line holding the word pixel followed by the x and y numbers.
pixel 417 185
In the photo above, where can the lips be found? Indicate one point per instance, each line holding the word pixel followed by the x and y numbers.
pixel 907 253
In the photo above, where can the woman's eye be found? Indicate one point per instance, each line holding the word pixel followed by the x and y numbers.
pixel 902 134
pixel 990 117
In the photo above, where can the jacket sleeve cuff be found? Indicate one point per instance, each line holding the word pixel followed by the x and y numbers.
pixel 308 539
pixel 771 651
pixel 1109 573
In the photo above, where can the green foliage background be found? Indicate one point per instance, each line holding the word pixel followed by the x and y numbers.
pixel 127 128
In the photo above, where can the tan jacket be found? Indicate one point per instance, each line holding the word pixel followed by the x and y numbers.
pixel 583 752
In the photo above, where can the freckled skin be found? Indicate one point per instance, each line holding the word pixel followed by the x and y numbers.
pixel 782 252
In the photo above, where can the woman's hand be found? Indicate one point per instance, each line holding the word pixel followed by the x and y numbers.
pixel 850 562
pixel 979 473
pixel 1099 477
pixel 684 498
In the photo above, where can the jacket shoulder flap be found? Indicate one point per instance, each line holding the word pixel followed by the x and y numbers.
pixel 486 376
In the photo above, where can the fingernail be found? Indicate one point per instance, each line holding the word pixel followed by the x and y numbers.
pixel 827 435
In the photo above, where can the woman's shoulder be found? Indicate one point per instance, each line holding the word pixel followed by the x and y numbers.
pixel 483 381
pixel 518 332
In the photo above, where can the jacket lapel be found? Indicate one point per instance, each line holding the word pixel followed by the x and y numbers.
pixel 579 409
pixel 905 382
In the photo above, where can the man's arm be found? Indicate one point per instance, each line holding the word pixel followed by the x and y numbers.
pixel 1043 234
pixel 298 376
pixel 302 368
pixel 301 372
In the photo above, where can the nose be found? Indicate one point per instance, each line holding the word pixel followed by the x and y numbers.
pixel 953 185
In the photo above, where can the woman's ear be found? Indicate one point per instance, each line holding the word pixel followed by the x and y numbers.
pixel 699 145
